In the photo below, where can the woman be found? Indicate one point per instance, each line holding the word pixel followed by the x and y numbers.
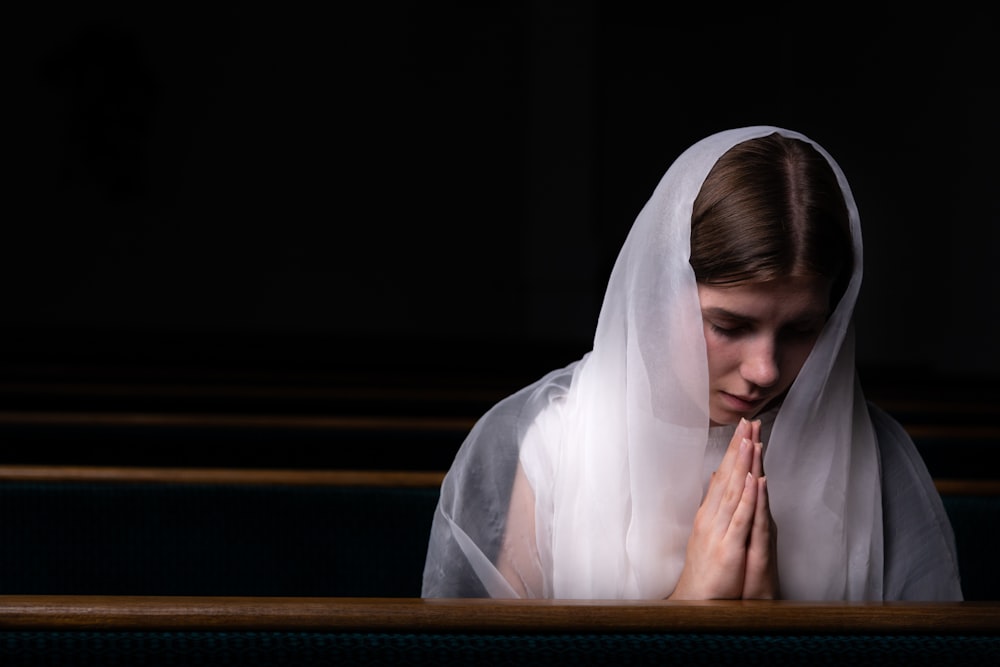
pixel 724 348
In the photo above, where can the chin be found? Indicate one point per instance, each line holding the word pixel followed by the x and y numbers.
pixel 724 419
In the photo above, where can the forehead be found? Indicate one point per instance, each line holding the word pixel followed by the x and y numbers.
pixel 785 299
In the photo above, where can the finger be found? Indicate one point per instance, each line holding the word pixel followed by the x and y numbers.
pixel 741 524
pixel 721 476
pixel 757 466
pixel 727 487
pixel 743 431
pixel 755 431
pixel 760 536
pixel 761 565
pixel 760 549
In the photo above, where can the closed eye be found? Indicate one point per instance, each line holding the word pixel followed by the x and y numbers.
pixel 803 332
pixel 728 330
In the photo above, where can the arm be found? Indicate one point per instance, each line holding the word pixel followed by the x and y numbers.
pixel 518 561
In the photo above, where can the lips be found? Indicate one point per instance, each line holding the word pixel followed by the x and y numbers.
pixel 741 403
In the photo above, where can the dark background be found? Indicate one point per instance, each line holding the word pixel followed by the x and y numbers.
pixel 444 186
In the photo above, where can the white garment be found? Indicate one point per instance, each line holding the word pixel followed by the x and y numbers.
pixel 615 448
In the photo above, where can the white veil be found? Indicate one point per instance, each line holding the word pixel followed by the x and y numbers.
pixel 613 445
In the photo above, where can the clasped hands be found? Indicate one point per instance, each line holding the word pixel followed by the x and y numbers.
pixel 732 551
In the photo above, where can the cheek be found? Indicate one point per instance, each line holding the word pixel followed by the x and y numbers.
pixel 794 359
pixel 722 356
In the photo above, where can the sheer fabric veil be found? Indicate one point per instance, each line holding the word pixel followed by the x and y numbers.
pixel 613 445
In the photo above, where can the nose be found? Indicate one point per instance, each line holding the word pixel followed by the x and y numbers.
pixel 760 363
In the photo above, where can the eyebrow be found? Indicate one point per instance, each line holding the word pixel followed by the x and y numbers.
pixel 723 313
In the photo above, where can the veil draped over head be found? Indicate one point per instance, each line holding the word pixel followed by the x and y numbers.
pixel 614 445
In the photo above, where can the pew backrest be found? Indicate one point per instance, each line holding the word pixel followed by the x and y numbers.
pixel 330 533
pixel 213 532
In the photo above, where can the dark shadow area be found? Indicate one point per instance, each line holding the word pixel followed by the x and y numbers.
pixel 411 210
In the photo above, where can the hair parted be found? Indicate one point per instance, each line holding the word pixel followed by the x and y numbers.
pixel 771 207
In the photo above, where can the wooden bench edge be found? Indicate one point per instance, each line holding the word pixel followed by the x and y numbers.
pixel 324 477
pixel 27 612
pixel 236 476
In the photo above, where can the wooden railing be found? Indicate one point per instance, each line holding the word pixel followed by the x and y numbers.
pixel 326 477
pixel 225 476
pixel 30 612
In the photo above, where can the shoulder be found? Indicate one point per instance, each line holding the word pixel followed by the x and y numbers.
pixel 919 546
pixel 902 469
pixel 886 426
pixel 520 409
pixel 897 452
pixel 496 437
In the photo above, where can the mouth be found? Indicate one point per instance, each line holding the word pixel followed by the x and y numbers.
pixel 742 403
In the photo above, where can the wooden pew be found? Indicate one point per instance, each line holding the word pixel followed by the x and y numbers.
pixel 178 531
pixel 71 630
pixel 392 441
pixel 329 533
pixel 400 419
pixel 224 476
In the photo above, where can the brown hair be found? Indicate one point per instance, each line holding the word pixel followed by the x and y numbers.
pixel 771 207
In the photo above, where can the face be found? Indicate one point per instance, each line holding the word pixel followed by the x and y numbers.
pixel 758 337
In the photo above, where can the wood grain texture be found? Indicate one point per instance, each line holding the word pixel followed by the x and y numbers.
pixel 324 477
pixel 27 612
pixel 207 475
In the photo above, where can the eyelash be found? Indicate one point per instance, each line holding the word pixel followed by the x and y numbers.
pixel 726 332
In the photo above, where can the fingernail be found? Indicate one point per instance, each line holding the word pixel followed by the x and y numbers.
pixel 744 443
